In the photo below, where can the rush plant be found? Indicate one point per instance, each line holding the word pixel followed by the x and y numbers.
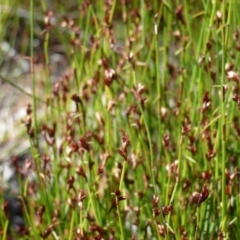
pixel 138 137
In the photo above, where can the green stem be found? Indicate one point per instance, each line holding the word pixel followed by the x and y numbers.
pixel 150 161
pixel 32 72
pixel 120 222
pixel 223 121
pixel 122 176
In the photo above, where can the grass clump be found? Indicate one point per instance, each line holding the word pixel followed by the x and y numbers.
pixel 140 136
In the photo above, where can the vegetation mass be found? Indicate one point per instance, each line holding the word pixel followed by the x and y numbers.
pixel 139 137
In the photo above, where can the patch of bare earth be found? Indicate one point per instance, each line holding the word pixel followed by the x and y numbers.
pixel 13 102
